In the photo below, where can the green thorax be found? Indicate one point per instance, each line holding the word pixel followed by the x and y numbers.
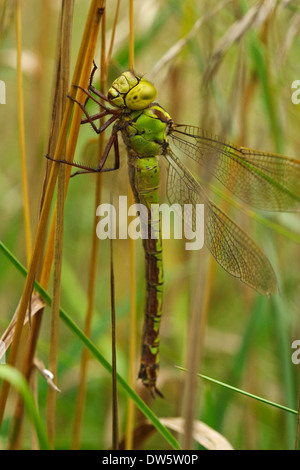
pixel 145 131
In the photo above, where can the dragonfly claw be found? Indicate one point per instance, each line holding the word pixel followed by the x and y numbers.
pixel 80 87
pixel 154 391
pixel 157 392
pixel 73 99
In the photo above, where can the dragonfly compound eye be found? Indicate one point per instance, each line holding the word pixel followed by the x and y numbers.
pixel 141 95
pixel 120 87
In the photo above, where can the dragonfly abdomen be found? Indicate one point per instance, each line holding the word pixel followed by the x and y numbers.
pixel 144 180
pixel 153 310
pixel 145 136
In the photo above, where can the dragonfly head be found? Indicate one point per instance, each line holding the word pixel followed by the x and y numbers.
pixel 132 92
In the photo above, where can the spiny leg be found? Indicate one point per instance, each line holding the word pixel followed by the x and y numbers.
pixel 90 119
pixel 92 74
pixel 94 117
pixel 113 141
pixel 89 95
pixel 91 86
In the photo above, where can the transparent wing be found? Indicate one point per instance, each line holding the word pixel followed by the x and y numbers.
pixel 266 181
pixel 228 243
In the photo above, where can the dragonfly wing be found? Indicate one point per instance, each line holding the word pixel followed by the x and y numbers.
pixel 232 248
pixel 264 180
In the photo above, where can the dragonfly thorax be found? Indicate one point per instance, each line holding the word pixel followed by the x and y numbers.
pixel 132 92
pixel 145 132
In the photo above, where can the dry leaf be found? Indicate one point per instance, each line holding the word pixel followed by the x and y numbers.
pixel 36 305
pixel 202 433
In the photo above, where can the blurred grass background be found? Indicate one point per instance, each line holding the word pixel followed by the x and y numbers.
pixel 240 89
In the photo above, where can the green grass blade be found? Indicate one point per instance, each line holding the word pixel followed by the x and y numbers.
pixel 282 328
pixel 258 53
pixel 147 412
pixel 16 379
pixel 243 392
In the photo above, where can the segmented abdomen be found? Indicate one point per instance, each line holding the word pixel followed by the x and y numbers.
pixel 144 181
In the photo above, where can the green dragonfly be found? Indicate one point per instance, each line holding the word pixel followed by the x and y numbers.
pixel 266 181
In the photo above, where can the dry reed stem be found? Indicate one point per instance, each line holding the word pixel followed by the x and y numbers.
pixel 27 223
pixel 84 65
pixel 197 328
pixel 112 35
pixel 88 323
pixel 193 357
pixel 132 254
pixel 64 58
pixel 85 58
pixel 115 426
pixel 54 328
pixel 92 265
pixel 132 341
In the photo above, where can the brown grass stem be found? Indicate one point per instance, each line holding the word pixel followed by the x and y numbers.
pixel 60 96
pixel 132 254
pixel 113 34
pixel 92 266
pixel 115 428
pixel 54 327
pixel 85 57
pixel 64 58
pixel 27 223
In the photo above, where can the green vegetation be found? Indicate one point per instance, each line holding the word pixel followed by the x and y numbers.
pixel 227 67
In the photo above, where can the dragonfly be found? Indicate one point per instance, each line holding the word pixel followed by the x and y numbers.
pixel 266 181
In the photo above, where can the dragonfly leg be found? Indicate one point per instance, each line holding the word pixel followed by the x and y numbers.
pixel 94 117
pixel 104 126
pixel 158 392
pixel 113 141
pixel 90 96
pixel 76 165
pixel 92 73
pixel 97 93
pixel 91 86
pixel 89 118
